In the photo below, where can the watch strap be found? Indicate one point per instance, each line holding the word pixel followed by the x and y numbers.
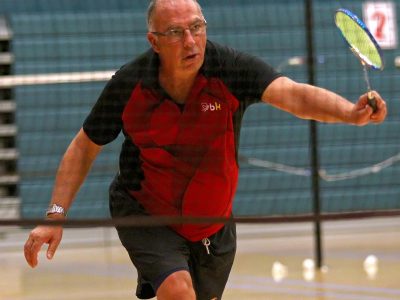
pixel 56 209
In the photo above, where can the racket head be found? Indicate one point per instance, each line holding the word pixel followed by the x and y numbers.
pixel 359 38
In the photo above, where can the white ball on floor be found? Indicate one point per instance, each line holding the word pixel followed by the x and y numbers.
pixel 308 264
pixel 370 261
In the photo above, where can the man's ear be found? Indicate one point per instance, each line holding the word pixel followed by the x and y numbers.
pixel 153 42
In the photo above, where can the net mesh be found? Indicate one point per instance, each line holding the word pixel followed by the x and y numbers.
pixel 63 52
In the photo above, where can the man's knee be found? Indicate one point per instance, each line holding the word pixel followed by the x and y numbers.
pixel 178 285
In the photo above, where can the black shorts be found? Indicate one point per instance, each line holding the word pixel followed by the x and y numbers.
pixel 158 252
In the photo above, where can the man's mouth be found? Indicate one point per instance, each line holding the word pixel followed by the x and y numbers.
pixel 192 56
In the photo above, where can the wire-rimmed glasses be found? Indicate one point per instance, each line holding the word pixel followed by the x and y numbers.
pixel 176 34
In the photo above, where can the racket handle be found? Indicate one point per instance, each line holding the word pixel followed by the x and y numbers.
pixel 372 102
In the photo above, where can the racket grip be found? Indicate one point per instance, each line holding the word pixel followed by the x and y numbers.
pixel 372 102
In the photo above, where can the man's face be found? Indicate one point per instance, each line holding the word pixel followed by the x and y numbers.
pixel 180 35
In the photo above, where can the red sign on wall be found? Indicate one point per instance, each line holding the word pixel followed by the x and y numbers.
pixel 380 18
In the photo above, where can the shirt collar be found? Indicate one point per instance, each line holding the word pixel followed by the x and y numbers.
pixel 150 78
pixel 210 65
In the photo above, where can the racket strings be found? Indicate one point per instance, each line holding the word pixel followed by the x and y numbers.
pixel 359 40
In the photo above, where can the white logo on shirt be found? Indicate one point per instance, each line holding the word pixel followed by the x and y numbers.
pixel 210 106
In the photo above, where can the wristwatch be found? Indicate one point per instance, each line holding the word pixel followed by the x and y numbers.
pixel 56 209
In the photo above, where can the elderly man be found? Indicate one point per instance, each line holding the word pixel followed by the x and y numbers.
pixel 179 107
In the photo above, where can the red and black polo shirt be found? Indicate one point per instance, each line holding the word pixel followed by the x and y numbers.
pixel 180 159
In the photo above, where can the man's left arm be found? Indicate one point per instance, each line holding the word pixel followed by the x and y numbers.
pixel 310 102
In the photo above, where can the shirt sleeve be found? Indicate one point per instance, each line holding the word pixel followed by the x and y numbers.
pixel 247 76
pixel 104 122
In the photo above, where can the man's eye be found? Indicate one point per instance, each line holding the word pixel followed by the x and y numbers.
pixel 175 32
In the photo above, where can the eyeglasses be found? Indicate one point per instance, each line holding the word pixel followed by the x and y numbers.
pixel 176 34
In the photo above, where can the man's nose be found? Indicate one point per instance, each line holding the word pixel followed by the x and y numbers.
pixel 188 38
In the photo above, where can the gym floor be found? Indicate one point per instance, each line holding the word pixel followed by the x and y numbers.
pixel 91 264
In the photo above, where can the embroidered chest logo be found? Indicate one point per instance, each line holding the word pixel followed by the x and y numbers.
pixel 210 106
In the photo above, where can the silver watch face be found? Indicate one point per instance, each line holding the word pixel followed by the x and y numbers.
pixel 55 209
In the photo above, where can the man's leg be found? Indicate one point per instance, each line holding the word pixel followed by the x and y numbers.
pixel 159 254
pixel 210 269
pixel 178 285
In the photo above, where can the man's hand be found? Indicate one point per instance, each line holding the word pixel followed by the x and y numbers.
pixel 363 114
pixel 42 234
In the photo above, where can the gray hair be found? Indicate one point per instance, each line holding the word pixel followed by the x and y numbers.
pixel 152 7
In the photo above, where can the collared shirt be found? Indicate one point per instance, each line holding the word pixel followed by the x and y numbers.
pixel 180 160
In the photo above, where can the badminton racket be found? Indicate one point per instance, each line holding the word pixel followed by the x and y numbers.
pixel 362 43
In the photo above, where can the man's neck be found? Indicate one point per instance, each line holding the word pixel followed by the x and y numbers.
pixel 178 86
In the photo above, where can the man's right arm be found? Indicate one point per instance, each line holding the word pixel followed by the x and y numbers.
pixel 73 169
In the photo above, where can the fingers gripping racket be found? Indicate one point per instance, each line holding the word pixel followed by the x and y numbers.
pixel 362 44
